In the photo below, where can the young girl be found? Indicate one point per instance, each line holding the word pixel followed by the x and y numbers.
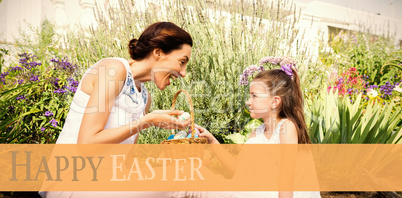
pixel 276 98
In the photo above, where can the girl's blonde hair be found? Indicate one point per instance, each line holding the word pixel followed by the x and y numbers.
pixel 281 84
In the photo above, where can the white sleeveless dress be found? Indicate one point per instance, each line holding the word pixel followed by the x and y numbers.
pixel 260 138
pixel 128 106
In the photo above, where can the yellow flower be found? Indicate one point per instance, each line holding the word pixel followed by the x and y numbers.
pixel 371 93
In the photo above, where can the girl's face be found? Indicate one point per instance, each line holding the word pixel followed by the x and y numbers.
pixel 170 66
pixel 260 102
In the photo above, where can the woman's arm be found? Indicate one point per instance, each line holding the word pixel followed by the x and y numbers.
pixel 148 106
pixel 104 91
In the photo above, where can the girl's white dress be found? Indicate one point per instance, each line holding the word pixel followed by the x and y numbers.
pixel 260 138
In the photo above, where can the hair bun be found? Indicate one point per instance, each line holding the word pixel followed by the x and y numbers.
pixel 131 48
pixel 133 43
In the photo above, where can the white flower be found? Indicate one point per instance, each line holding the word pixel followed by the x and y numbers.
pixel 398 89
pixel 371 93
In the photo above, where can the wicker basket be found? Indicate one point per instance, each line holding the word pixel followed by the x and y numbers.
pixel 192 139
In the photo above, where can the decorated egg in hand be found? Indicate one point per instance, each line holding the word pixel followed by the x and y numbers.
pixel 184 116
pixel 180 135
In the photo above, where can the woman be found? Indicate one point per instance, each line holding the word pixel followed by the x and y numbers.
pixel 111 103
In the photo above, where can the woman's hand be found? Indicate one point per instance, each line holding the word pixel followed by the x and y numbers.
pixel 166 119
pixel 205 133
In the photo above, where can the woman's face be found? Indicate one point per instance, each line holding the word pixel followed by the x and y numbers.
pixel 260 100
pixel 170 66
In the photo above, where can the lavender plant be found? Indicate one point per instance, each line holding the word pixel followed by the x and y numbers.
pixel 36 99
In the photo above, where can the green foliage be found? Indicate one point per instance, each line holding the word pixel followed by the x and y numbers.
pixel 35 100
pixel 42 41
pixel 396 62
pixel 250 127
pixel 236 138
pixel 332 119
pixel 3 52
pixel 365 52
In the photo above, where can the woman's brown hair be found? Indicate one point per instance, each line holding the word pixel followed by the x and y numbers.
pixel 288 89
pixel 163 35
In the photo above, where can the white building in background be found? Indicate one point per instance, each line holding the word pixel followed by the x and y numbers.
pixel 318 19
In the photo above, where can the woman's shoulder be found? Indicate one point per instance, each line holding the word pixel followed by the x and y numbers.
pixel 112 68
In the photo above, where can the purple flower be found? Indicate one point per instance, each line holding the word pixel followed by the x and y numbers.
pixel 27 60
pixel 10 107
pixel 60 91
pixel 34 78
pixel 63 64
pixel 272 60
pixel 20 81
pixel 16 68
pixel 48 113
pixel 72 82
pixel 288 70
pixel 72 89
pixel 20 97
pixel 43 128
pixel 386 89
pixel 53 122
pixel 249 71
pixel 55 81
pixel 4 74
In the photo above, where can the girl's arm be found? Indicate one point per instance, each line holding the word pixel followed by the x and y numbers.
pixel 222 154
pixel 288 135
pixel 104 91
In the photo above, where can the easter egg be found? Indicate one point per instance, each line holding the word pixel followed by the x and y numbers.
pixel 184 116
pixel 170 137
pixel 196 131
pixel 195 135
pixel 180 135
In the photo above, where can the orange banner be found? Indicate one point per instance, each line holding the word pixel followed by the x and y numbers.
pixel 335 167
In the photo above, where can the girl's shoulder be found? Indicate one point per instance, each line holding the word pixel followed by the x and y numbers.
pixel 288 132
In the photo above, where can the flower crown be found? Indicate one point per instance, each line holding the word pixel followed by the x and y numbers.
pixel 285 62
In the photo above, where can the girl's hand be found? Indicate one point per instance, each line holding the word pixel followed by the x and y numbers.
pixel 205 133
pixel 166 119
